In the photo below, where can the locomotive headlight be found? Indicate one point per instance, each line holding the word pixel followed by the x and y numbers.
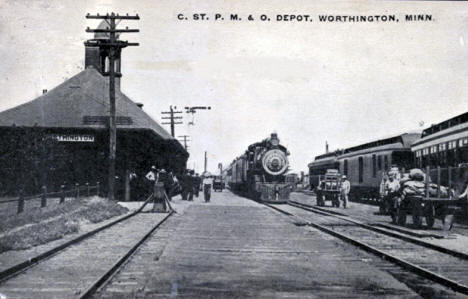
pixel 274 141
pixel 275 162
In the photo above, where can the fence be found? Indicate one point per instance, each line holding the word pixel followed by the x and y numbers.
pixel 75 192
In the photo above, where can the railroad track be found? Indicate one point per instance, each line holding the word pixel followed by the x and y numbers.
pixel 80 268
pixel 441 265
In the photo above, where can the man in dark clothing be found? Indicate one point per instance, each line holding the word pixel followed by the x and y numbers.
pixel 196 184
pixel 190 184
pixel 184 184
pixel 163 177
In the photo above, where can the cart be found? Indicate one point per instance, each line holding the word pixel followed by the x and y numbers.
pixel 429 208
pixel 329 188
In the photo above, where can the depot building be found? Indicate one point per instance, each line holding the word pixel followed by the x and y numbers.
pixel 62 137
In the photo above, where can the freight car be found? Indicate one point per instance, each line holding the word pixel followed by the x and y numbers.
pixel 260 172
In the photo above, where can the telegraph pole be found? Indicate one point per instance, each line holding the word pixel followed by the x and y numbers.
pixel 172 118
pixel 185 140
pixel 115 46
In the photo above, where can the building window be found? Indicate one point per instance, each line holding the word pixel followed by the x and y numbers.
pixel 374 166
pixel 361 170
pixel 345 167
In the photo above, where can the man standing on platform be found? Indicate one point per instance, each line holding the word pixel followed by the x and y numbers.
pixel 196 185
pixel 151 179
pixel 207 185
pixel 191 184
pixel 184 184
pixel 345 188
pixel 163 177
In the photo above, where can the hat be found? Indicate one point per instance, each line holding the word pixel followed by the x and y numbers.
pixel 343 177
pixel 153 167
pixel 163 170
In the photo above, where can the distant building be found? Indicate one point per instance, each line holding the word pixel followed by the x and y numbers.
pixel 63 135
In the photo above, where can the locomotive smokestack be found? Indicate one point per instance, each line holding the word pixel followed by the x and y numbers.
pixel 326 147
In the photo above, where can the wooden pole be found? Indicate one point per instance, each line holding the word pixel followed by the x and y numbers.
pixel 20 202
pixel 438 182
pixel 449 169
pixel 77 190
pixel 112 128
pixel 44 197
pixel 427 181
pixel 62 193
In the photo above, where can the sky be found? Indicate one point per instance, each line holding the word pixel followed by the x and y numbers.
pixel 310 82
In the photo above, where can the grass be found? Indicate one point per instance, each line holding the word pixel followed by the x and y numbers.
pixel 40 226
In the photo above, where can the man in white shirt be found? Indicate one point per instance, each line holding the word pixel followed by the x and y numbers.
pixel 151 179
pixel 207 184
pixel 345 188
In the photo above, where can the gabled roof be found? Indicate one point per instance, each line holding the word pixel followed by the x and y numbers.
pixel 81 102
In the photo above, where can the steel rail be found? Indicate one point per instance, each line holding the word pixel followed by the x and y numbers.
pixel 100 282
pixel 23 266
pixel 385 255
pixel 387 232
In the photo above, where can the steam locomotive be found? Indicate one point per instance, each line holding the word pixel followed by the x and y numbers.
pixel 260 172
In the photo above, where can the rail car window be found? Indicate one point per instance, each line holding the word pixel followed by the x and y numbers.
pixel 345 167
pixel 374 166
pixel 361 169
pixel 379 162
pixel 385 163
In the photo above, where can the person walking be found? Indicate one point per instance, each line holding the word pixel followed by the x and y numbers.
pixel 207 184
pixel 196 184
pixel 190 185
pixel 184 184
pixel 345 188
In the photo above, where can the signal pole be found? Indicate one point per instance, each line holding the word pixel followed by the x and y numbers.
pixel 115 46
pixel 206 161
pixel 185 140
pixel 194 109
pixel 172 119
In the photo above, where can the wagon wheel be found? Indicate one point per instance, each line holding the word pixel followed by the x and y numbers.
pixel 447 221
pixel 416 213
pixel 382 207
pixel 336 200
pixel 430 215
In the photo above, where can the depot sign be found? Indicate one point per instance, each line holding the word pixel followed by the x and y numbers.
pixel 72 137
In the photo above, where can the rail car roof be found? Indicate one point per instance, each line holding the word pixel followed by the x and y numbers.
pixel 448 130
pixel 323 161
pixel 450 123
pixel 405 140
pixel 401 141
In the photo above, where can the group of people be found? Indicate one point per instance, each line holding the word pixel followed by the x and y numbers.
pixel 187 184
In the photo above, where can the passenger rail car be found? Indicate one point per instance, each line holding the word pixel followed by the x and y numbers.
pixel 365 164
pixel 319 167
pixel 260 172
pixel 445 145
